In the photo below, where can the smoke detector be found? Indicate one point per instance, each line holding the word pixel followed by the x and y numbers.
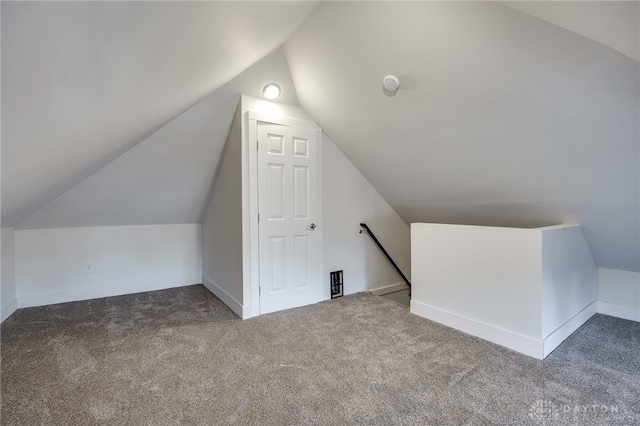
pixel 391 83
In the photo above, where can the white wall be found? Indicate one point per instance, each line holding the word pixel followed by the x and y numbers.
pixel 126 259
pixel 569 277
pixel 167 177
pixel 222 267
pixel 619 293
pixel 348 200
pixel 273 110
pixel 8 300
pixel 526 289
pixel 487 274
pixel 83 82
pixel 612 23
pixel 487 96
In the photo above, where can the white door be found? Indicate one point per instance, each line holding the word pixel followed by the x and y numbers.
pixel 289 239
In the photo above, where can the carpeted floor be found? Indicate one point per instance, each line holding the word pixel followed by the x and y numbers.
pixel 180 357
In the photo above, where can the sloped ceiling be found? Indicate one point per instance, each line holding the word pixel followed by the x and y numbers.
pixel 612 23
pixel 82 82
pixel 501 118
pixel 167 177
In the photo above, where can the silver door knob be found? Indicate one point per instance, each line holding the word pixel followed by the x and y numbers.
pixel 312 226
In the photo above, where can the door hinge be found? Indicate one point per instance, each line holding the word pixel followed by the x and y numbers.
pixel 259 291
pixel 257 145
pixel 258 217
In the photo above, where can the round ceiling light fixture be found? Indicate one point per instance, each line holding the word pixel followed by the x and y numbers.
pixel 271 91
pixel 391 83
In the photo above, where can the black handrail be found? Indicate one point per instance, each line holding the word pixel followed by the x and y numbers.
pixel 366 229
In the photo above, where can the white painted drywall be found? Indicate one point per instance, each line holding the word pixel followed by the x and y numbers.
pixel 612 23
pixel 50 263
pixel 569 276
pixel 167 177
pixel 348 200
pixel 619 293
pixel 8 302
pixel 619 287
pixel 222 266
pixel 501 118
pixel 273 110
pixel 526 289
pixel 486 274
pixel 84 81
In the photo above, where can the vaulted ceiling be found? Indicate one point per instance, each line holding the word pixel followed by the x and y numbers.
pixel 508 114
pixel 167 177
pixel 501 119
pixel 82 82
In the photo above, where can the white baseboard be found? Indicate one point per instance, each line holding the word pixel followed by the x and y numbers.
pixel 526 345
pixel 243 312
pixel 8 308
pixel 31 300
pixel 619 311
pixel 392 288
pixel 529 346
pixel 558 336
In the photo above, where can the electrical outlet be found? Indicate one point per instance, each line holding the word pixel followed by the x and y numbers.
pixel 88 268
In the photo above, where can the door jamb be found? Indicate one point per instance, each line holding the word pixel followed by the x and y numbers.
pixel 251 269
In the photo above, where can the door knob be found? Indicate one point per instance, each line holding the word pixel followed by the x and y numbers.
pixel 312 226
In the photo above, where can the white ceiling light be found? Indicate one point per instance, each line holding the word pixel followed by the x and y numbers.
pixel 391 83
pixel 271 91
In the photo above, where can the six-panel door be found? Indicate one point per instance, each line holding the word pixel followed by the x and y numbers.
pixel 289 242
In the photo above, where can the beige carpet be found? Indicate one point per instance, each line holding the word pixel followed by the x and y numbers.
pixel 180 357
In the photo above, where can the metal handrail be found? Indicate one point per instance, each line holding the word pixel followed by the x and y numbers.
pixel 365 228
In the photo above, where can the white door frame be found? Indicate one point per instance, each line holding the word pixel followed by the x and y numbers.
pixel 251 269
